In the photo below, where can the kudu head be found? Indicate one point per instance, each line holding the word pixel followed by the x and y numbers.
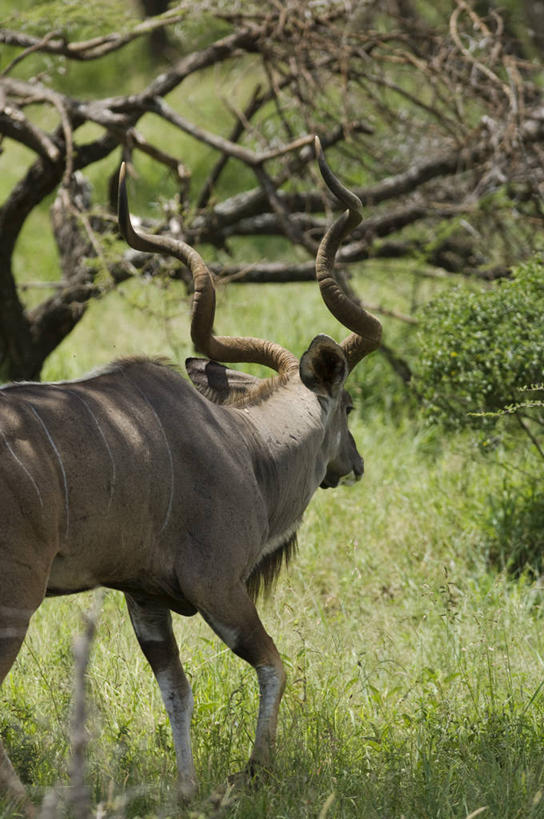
pixel 325 365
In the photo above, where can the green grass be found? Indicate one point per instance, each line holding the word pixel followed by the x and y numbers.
pixel 414 669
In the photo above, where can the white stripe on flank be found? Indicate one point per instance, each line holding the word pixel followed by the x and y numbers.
pixel 169 451
pixel 10 633
pixel 63 471
pixel 23 467
pixel 104 440
pixel 10 611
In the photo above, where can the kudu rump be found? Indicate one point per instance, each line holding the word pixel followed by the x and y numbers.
pixel 185 499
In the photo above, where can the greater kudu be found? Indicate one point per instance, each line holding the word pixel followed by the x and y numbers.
pixel 185 499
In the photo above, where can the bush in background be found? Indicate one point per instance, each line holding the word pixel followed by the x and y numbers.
pixel 483 351
pixel 482 367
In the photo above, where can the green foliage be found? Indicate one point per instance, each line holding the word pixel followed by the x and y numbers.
pixel 71 18
pixel 513 527
pixel 481 350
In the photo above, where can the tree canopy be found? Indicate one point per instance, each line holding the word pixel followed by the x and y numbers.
pixel 433 114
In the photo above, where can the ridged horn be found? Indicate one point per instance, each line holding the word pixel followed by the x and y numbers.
pixel 366 328
pixel 219 348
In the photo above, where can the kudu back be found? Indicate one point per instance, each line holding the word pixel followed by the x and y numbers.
pixel 186 497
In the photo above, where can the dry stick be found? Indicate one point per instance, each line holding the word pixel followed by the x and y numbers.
pixel 68 140
pixel 58 285
pixel 14 123
pixel 37 46
pixel 78 794
pixel 31 92
pixel 288 224
pixel 159 107
pixel 532 438
pixel 454 31
pixel 252 203
pixel 99 46
pixel 450 126
pixel 274 91
pixel 136 140
pixel 258 99
pixel 255 103
pixel 386 311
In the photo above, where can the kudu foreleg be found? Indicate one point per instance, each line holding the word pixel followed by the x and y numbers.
pixel 153 627
pixel 235 620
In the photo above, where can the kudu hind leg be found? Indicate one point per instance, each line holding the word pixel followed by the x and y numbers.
pixel 153 627
pixel 19 598
pixel 236 621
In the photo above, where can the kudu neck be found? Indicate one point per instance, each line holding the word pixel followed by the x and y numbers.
pixel 286 434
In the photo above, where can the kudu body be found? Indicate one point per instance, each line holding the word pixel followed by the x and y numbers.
pixel 185 499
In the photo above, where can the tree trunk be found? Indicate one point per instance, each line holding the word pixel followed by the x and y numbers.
pixel 159 44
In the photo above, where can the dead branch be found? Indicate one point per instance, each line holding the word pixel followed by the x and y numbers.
pixel 91 49
pixel 448 123
pixel 78 793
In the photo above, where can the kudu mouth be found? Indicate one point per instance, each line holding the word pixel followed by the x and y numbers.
pixel 345 480
pixel 349 480
pixel 355 475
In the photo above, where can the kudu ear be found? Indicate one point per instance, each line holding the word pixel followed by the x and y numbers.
pixel 217 383
pixel 324 367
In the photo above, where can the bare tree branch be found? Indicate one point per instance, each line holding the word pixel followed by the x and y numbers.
pixel 429 123
pixel 91 49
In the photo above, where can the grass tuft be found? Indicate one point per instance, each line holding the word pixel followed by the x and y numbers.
pixel 415 679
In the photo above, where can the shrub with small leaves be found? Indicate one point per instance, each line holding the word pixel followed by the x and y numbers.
pixel 482 354
pixel 482 366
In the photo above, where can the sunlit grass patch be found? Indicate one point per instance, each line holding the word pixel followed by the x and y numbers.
pixel 414 672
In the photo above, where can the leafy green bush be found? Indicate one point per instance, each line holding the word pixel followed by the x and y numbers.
pixel 482 352
pixel 514 527
pixel 482 367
